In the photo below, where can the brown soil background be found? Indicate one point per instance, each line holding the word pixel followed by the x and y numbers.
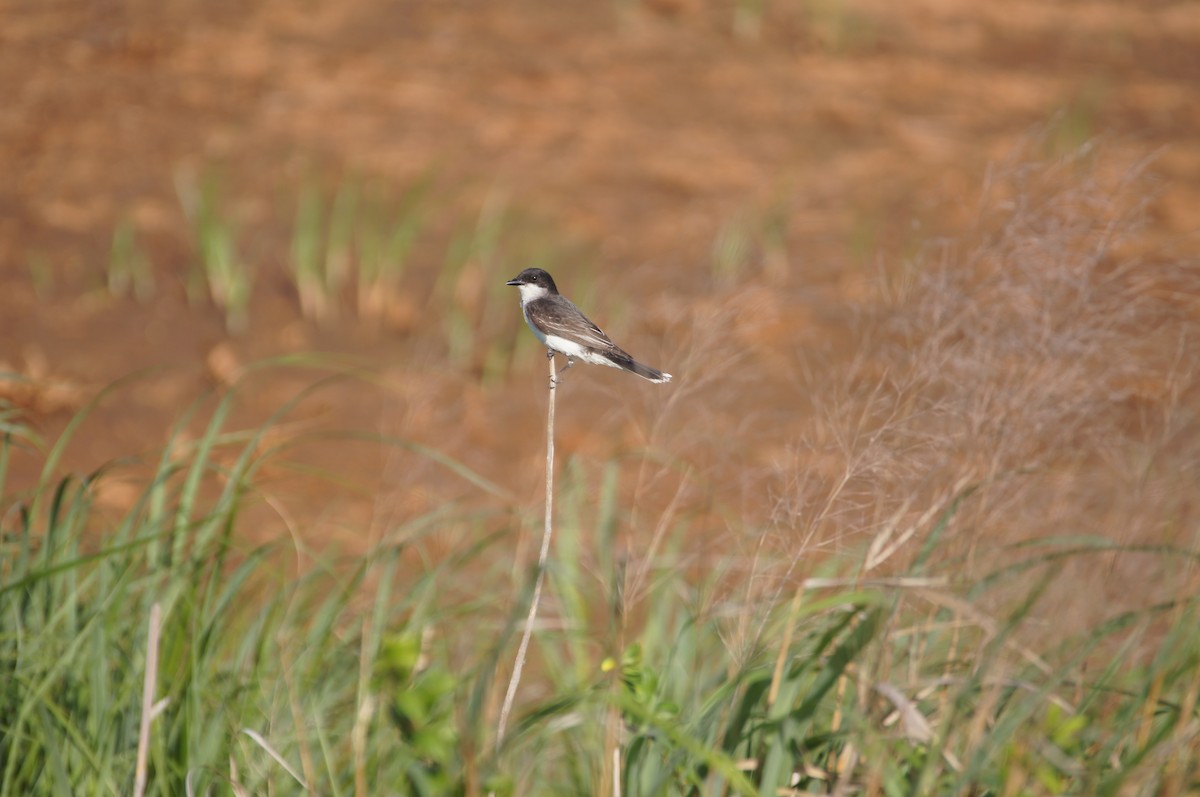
pixel 637 132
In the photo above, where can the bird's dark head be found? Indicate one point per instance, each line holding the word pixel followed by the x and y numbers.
pixel 534 280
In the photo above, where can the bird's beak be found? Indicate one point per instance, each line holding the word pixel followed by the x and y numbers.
pixel 514 281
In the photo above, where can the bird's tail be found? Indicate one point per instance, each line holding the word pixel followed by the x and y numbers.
pixel 623 360
pixel 646 372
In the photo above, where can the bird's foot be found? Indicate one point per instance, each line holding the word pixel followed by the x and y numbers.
pixel 554 380
pixel 558 377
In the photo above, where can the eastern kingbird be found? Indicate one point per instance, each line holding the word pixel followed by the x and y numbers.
pixel 560 326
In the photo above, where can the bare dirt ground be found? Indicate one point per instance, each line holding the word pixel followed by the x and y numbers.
pixel 639 130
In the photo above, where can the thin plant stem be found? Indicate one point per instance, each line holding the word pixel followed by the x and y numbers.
pixel 547 531
pixel 148 707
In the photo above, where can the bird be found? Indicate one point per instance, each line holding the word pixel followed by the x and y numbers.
pixel 561 327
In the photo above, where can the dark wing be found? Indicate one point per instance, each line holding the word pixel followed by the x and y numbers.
pixel 563 319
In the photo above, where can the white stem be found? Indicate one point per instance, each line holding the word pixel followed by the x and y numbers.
pixel 523 648
pixel 149 708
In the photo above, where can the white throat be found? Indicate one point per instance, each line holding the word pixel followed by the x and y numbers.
pixel 531 293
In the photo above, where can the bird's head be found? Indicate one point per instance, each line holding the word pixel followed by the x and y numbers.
pixel 533 284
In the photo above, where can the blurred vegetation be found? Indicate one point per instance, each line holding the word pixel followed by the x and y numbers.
pixel 218 269
pixel 128 267
pixel 378 673
pixel 911 660
pixel 352 244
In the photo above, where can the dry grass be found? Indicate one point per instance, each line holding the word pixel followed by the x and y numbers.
pixel 1036 361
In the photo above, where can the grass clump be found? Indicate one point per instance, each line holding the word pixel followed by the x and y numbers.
pixel 359 238
pixel 128 267
pixel 219 270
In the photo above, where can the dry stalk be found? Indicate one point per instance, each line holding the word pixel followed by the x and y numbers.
pixel 149 708
pixel 548 528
